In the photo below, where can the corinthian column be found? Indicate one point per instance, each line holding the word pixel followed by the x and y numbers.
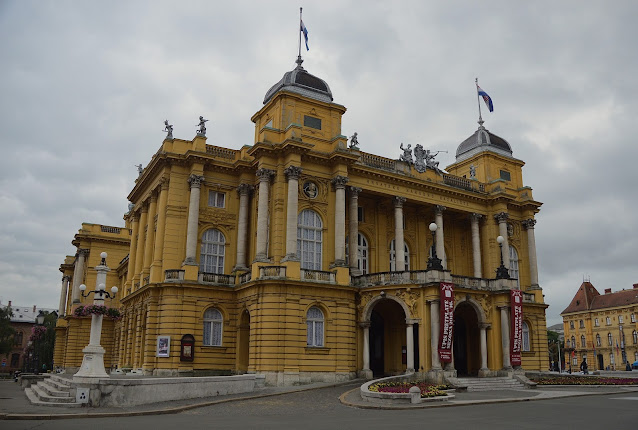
pixel 242 226
pixel 78 273
pixel 292 173
pixel 399 243
pixel 483 327
pixel 353 230
pixel 195 183
pixel 502 218
pixel 434 333
pixel 264 176
pixel 531 245
pixel 339 182
pixel 440 237
pixel 505 337
pixel 63 293
pixel 476 244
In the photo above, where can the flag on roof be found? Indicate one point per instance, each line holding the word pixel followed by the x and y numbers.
pixel 486 98
pixel 304 30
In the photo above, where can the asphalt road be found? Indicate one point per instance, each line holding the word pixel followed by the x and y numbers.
pixel 321 409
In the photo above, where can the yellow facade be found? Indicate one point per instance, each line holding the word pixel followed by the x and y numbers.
pixel 248 251
pixel 601 329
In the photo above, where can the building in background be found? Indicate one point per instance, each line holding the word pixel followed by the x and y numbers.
pixel 304 258
pixel 602 329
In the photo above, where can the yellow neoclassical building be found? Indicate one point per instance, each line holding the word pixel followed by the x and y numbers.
pixel 304 258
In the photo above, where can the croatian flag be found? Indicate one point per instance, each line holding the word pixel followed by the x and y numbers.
pixel 486 98
pixel 304 30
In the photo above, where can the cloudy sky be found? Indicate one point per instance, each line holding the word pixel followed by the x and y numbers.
pixel 85 87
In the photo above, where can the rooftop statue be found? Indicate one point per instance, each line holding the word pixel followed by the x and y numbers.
pixel 424 159
pixel 201 131
pixel 140 169
pixel 354 143
pixel 168 128
pixel 472 171
pixel 407 154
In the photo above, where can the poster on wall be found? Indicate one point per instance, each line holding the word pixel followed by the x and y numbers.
pixel 163 346
pixel 516 329
pixel 447 322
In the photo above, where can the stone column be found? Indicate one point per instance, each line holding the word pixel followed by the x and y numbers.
pixel 409 342
pixel 505 337
pixel 483 327
pixel 63 294
pixel 531 245
pixel 353 230
pixel 502 218
pixel 339 183
pixel 366 346
pixel 141 241
pixel 440 237
pixel 434 333
pixel 476 244
pixel 195 183
pixel 78 274
pixel 242 226
pixel 399 244
pixel 292 212
pixel 150 236
pixel 158 245
pixel 264 176
pixel 135 226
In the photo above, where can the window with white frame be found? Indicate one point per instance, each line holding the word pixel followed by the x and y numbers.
pixel 393 257
pixel 309 239
pixel 608 321
pixel 514 265
pixel 610 339
pixel 211 259
pixel 571 325
pixel 583 342
pixel 633 318
pixel 362 253
pixel 635 336
pixel 582 324
pixel 573 342
pixel 213 324
pixel 598 340
pixel 314 324
pixel 216 199
pixel 526 342
pixel 620 319
pixel 596 323
pixel 574 361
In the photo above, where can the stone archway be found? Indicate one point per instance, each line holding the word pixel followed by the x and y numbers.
pixel 469 343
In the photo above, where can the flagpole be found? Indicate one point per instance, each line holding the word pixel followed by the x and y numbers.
pixel 478 101
pixel 299 31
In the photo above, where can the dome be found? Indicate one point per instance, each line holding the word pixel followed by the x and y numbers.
pixel 301 82
pixel 482 140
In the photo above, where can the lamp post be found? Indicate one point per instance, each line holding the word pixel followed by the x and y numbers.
pixel 434 263
pixel 93 362
pixel 501 272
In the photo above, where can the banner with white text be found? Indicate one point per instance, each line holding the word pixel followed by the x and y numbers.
pixel 446 322
pixel 516 329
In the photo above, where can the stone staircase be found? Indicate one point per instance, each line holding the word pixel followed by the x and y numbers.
pixel 487 384
pixel 52 391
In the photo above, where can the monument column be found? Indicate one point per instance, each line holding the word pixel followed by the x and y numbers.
pixel 476 244
pixel 292 212
pixel 505 337
pixel 440 237
pixel 399 243
pixel 242 226
pixel 531 245
pixel 264 176
pixel 195 183
pixel 78 274
pixel 339 183
pixel 434 333
pixel 353 230
pixel 502 218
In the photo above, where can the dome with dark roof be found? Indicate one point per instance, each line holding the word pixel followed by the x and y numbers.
pixel 482 140
pixel 301 82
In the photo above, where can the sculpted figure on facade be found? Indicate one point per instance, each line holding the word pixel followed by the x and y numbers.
pixel 168 128
pixel 354 143
pixel 201 131
pixel 424 159
pixel 407 154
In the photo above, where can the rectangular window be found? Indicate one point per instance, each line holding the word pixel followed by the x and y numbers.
pixel 633 318
pixel 575 361
pixel 596 322
pixel 571 324
pixel 216 199
pixel 620 320
pixel 608 321
pixel 505 175
pixel 360 214
pixel 582 324
pixel 312 122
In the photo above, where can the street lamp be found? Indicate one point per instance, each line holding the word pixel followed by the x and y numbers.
pixel 434 263
pixel 501 272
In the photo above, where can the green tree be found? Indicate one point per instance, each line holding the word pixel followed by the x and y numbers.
pixel 7 332
pixel 43 342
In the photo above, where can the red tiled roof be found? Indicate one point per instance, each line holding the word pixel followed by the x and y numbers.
pixel 583 299
pixel 588 298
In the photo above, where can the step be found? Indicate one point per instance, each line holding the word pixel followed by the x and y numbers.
pixel 33 398
pixel 44 397
pixel 52 390
pixel 59 382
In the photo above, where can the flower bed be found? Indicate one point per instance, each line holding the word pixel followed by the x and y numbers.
pixel 427 390
pixel 583 380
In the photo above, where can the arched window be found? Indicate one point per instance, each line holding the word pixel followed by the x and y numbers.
pixel 526 343
pixel 309 233
pixel 362 253
pixel 211 259
pixel 213 322
pixel 610 340
pixel 314 324
pixel 598 340
pixel 635 336
pixel 583 342
pixel 393 258
pixel 514 265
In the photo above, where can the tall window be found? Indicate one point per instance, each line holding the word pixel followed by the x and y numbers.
pixel 573 342
pixel 18 338
pixel 571 325
pixel 620 320
pixel 393 257
pixel 608 321
pixel 362 253
pixel 596 323
pixel 213 322
pixel 633 318
pixel 635 336
pixel 574 361
pixel 514 265
pixel 611 358
pixel 598 340
pixel 582 324
pixel 583 342
pixel 610 339
pixel 212 254
pixel 309 231
pixel 526 343
pixel 314 324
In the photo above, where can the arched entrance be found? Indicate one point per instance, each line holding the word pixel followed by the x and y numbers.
pixel 467 343
pixel 601 363
pixel 243 341
pixel 388 345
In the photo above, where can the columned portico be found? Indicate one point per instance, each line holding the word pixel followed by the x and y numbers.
pixel 531 245
pixel 476 244
pixel 78 274
pixel 339 183
pixel 353 230
pixel 63 295
pixel 292 173
pixel 440 237
pixel 242 226
pixel 505 337
pixel 399 244
pixel 195 182
pixel 264 176
pixel 502 218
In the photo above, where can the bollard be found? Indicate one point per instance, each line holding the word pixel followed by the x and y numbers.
pixel 415 395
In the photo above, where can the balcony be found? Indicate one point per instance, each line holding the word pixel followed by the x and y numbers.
pixel 428 276
pixel 272 272
pixel 318 276
pixel 173 275
pixel 216 278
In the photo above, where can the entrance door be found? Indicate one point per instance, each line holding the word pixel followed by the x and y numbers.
pixel 467 348
pixel 601 363
pixel 377 334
